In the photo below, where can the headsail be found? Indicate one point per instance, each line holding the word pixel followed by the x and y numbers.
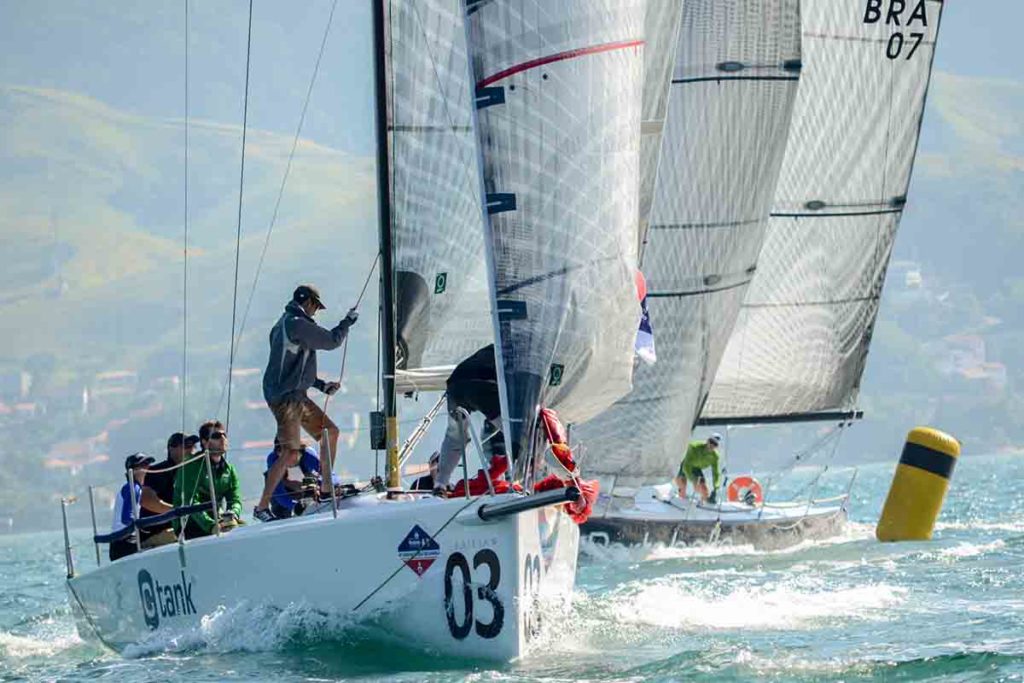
pixel 731 99
pixel 661 24
pixel 802 338
pixel 558 117
pixel 440 278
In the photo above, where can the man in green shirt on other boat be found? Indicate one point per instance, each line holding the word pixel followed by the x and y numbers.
pixel 700 455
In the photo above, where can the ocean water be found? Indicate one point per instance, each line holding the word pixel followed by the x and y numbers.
pixel 846 609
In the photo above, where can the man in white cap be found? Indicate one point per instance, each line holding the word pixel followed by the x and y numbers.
pixel 700 455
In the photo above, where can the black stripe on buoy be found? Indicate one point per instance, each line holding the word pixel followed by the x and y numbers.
pixel 927 459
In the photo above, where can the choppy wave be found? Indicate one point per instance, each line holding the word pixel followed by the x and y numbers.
pixel 16 646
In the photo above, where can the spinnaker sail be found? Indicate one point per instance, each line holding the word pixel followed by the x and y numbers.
pixel 731 98
pixel 558 96
pixel 802 338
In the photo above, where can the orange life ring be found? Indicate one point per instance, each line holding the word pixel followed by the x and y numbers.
pixel 741 487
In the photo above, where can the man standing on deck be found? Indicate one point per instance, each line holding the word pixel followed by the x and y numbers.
pixel 291 371
pixel 699 456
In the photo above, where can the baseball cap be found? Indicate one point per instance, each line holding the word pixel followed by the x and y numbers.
pixel 178 439
pixel 715 438
pixel 137 460
pixel 305 292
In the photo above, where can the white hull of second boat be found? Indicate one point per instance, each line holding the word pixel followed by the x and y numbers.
pixel 656 515
pixel 430 571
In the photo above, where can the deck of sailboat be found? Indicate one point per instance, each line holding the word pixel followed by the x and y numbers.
pixel 652 516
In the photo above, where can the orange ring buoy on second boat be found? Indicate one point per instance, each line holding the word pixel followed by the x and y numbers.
pixel 743 486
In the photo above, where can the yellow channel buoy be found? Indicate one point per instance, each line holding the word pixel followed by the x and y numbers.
pixel 919 486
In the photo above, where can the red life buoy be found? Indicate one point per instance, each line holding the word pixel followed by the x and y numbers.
pixel 743 487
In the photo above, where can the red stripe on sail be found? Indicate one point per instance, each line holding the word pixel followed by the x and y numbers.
pixel 558 57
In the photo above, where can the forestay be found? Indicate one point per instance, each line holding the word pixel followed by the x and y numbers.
pixel 731 101
pixel 440 278
pixel 558 89
pixel 802 338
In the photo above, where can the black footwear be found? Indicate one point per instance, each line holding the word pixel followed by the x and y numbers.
pixel 264 515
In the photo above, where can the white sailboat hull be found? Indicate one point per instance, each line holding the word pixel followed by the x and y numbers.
pixel 473 595
pixel 655 516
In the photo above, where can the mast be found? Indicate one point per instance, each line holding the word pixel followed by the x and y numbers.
pixel 387 281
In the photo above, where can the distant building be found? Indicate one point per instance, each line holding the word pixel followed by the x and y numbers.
pixel 15 385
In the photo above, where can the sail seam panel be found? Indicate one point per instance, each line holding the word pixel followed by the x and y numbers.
pixel 835 214
pixel 711 224
pixel 558 57
pixel 702 79
pixel 696 292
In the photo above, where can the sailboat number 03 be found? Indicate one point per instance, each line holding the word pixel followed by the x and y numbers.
pixel 898 13
pixel 460 625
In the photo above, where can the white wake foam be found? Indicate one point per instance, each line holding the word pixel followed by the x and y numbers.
pixel 14 646
pixel 685 603
pixel 247 628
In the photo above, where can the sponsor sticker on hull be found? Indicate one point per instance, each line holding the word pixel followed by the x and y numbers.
pixel 163 601
pixel 418 550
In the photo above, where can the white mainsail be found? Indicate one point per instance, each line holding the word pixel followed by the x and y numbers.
pixel 442 306
pixel 731 99
pixel 802 338
pixel 558 90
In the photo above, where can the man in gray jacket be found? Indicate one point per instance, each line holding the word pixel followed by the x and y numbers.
pixel 291 371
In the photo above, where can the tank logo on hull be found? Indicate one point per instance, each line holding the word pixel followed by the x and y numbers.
pixel 164 600
pixel 418 550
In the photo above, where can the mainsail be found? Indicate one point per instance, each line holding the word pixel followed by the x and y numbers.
pixel 440 278
pixel 558 87
pixel 731 99
pixel 802 338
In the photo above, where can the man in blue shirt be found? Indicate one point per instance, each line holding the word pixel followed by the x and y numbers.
pixel 136 464
pixel 285 502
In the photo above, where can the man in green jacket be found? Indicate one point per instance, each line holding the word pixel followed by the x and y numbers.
pixel 192 486
pixel 699 456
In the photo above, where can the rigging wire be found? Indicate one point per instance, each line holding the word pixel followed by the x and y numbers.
pixel 344 349
pixel 236 339
pixel 184 275
pixel 238 229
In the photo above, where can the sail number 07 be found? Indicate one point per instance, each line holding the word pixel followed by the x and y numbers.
pixel 901 13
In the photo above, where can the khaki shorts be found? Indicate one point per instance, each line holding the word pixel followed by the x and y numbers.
pixel 294 416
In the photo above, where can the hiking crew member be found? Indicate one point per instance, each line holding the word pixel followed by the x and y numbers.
pixel 473 386
pixel 291 371
pixel 699 456
pixel 179 447
pixel 285 501
pixel 192 486
pixel 137 464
